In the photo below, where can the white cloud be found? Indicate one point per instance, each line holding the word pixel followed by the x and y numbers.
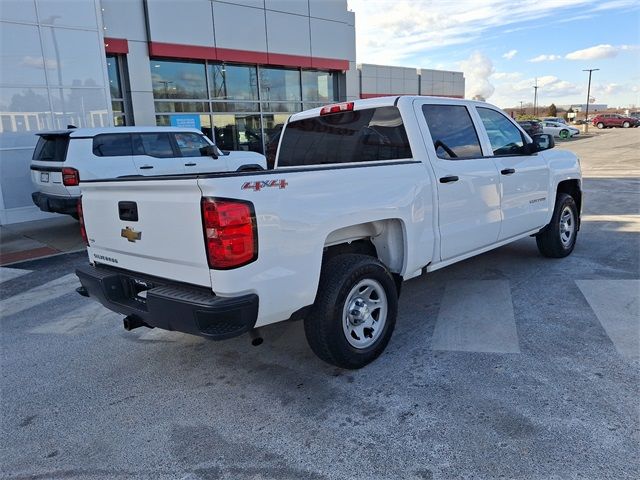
pixel 599 52
pixel 477 70
pixel 545 58
pixel 510 54
pixel 510 76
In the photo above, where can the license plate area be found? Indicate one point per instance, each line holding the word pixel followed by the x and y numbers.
pixel 44 177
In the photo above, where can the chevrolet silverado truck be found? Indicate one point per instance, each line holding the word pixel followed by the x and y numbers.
pixel 364 195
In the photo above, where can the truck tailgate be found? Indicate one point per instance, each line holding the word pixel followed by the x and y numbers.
pixel 148 227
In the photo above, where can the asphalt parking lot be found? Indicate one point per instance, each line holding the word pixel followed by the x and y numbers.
pixel 556 397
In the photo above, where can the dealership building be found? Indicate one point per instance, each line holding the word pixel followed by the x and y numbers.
pixel 235 69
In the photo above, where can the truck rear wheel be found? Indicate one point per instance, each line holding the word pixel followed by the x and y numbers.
pixel 355 311
pixel 558 239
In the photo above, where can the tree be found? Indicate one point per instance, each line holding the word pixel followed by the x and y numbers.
pixel 553 110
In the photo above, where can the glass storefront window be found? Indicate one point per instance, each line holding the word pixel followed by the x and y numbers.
pixel 233 82
pixel 114 77
pixel 279 84
pixel 317 86
pixel 235 106
pixel 238 132
pixel 290 107
pixel 178 79
pixel 182 107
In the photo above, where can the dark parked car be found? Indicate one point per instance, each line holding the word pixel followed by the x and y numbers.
pixel 532 127
pixel 609 120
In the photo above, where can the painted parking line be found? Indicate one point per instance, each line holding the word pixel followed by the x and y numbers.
pixel 7 273
pixel 476 316
pixel 38 295
pixel 616 304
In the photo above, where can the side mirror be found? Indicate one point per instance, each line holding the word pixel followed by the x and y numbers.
pixel 209 151
pixel 542 141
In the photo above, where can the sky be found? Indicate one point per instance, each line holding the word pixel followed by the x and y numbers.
pixel 502 46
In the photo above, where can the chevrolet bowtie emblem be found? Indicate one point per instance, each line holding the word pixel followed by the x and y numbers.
pixel 130 234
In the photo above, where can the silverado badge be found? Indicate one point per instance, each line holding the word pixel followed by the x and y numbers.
pixel 130 234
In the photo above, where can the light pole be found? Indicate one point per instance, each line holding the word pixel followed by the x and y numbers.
pixel 586 110
pixel 535 98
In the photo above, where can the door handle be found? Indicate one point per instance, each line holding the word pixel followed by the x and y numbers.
pixel 146 167
pixel 190 164
pixel 508 171
pixel 449 179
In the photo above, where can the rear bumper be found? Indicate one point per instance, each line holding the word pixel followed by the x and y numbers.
pixel 51 203
pixel 171 306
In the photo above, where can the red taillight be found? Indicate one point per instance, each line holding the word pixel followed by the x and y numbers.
pixel 70 177
pixel 83 231
pixel 229 232
pixel 337 108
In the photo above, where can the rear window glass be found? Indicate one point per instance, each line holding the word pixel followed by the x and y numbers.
pixel 361 136
pixel 452 131
pixel 153 144
pixel 112 145
pixel 51 148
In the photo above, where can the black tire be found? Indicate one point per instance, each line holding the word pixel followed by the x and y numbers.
pixel 600 125
pixel 551 240
pixel 323 325
pixel 626 125
pixel 564 134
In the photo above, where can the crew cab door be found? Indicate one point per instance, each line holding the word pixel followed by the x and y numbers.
pixel 191 147
pixel 524 177
pixel 154 154
pixel 467 182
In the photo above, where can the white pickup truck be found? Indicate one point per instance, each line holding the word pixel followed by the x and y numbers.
pixel 364 195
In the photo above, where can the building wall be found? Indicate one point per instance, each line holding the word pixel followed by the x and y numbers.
pixel 52 73
pixel 380 80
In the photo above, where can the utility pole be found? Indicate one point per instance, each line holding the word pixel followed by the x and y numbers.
pixel 521 111
pixel 535 98
pixel 586 110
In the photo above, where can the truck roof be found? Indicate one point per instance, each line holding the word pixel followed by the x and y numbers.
pixel 92 132
pixel 385 102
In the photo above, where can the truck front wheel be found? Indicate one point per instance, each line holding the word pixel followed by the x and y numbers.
pixel 355 311
pixel 557 239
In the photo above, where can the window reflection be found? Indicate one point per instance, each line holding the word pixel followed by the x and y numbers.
pixel 279 84
pixel 317 86
pixel 114 76
pixel 239 103
pixel 238 132
pixel 233 82
pixel 178 79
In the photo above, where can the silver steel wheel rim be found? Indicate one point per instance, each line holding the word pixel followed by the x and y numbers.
pixel 567 226
pixel 364 314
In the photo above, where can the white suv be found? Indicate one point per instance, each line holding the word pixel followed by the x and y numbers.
pixel 63 158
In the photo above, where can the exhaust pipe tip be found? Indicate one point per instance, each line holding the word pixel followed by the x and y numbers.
pixel 131 322
pixel 256 338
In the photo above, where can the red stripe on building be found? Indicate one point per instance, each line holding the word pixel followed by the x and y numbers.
pixel 174 50
pixel 329 63
pixel 377 95
pixel 118 46
pixel 289 60
pixel 242 56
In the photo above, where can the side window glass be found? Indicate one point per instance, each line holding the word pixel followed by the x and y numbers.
pixel 153 144
pixel 452 131
pixel 190 144
pixel 112 145
pixel 504 136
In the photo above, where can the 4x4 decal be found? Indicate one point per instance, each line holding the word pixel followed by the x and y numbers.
pixel 257 186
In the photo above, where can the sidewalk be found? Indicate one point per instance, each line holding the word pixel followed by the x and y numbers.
pixel 41 238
